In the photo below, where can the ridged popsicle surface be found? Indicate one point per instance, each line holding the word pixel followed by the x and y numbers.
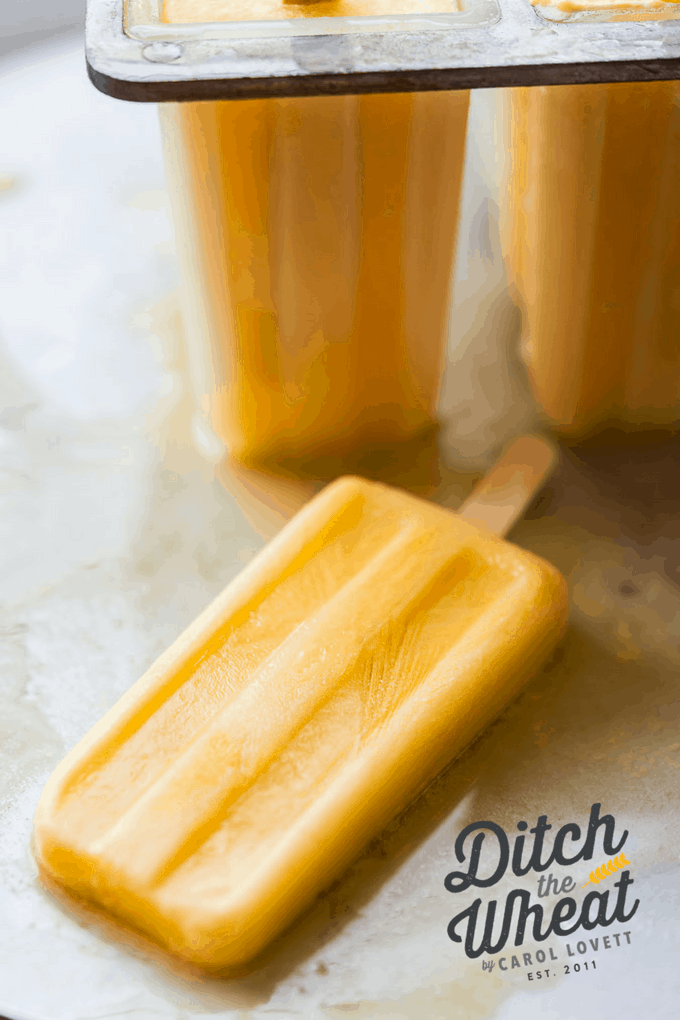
pixel 346 665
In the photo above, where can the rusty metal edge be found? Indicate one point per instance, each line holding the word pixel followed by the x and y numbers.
pixel 358 83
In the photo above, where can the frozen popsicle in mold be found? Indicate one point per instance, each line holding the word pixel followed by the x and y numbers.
pixel 363 648
pixel 592 242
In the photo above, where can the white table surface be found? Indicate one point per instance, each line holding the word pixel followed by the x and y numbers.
pixel 114 535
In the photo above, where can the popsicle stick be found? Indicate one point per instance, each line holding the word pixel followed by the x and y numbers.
pixel 503 495
pixel 498 501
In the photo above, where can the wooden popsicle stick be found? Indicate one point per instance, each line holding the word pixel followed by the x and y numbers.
pixel 503 495
pixel 498 501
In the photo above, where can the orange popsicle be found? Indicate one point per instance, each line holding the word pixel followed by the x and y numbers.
pixel 316 238
pixel 363 648
pixel 592 243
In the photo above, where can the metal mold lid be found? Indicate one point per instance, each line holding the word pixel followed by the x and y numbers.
pixel 133 54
